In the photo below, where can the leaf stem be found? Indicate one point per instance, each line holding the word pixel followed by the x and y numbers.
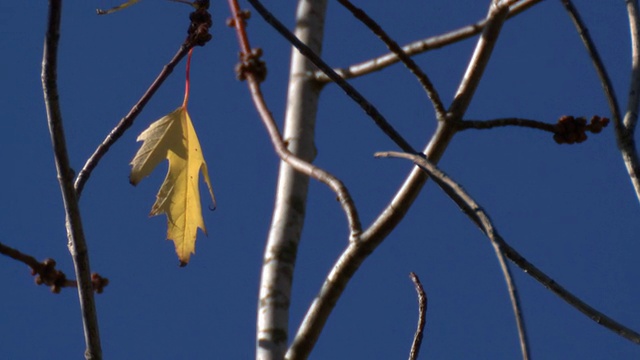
pixel 187 82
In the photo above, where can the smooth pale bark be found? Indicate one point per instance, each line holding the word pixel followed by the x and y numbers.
pixel 289 211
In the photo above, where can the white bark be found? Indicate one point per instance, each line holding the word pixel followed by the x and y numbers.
pixel 288 217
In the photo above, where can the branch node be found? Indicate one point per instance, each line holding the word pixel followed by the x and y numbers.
pixel 47 274
pixel 198 32
pixel 251 63
pixel 98 282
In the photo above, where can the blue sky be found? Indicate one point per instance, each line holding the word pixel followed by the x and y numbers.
pixel 568 209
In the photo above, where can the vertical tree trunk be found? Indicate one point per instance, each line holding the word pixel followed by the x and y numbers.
pixel 289 210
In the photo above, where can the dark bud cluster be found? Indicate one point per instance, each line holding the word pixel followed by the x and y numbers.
pixel 50 276
pixel 251 63
pixel 98 282
pixel 198 33
pixel 573 130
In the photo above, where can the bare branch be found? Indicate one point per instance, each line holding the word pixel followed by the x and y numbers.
pixel 631 116
pixel 406 60
pixel 198 35
pixel 422 317
pixel 624 128
pixel 354 94
pixel 291 195
pixel 77 244
pixel 503 122
pixel 626 140
pixel 45 272
pixel 468 205
pixel 252 69
pixel 605 81
pixel 479 60
pixel 421 46
pixel 568 129
pixel 355 254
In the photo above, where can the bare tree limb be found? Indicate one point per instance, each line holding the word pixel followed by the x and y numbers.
pixel 354 94
pixel 252 70
pixel 479 60
pixel 627 140
pixel 420 46
pixel 291 195
pixel 624 128
pixel 45 272
pixel 473 210
pixel 404 58
pixel 77 244
pixel 601 70
pixel 198 35
pixel 422 317
pixel 631 116
pixel 503 122
pixel 126 122
pixel 355 254
pixel 568 129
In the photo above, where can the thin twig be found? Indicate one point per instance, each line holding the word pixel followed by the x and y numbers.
pixel 624 128
pixel 126 122
pixel 631 116
pixel 627 139
pixel 568 129
pixel 355 254
pixel 77 244
pixel 45 272
pixel 354 94
pixel 252 71
pixel 396 49
pixel 493 123
pixel 515 301
pixel 420 46
pixel 197 35
pixel 422 317
pixel 605 80
pixel 473 210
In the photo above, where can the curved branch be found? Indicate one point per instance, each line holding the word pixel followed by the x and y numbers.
pixel 354 94
pixel 626 139
pixel 420 46
pixel 126 122
pixel 473 210
pixel 280 253
pixel 77 244
pixel 355 254
pixel 422 317
pixel 493 123
pixel 624 128
pixel 404 58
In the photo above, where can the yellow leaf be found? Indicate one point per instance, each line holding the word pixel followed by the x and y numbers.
pixel 174 138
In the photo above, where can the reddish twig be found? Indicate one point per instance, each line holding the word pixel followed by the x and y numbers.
pixel 252 69
pixel 272 327
pixel 198 35
pixel 568 129
pixel 45 272
pixel 422 317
